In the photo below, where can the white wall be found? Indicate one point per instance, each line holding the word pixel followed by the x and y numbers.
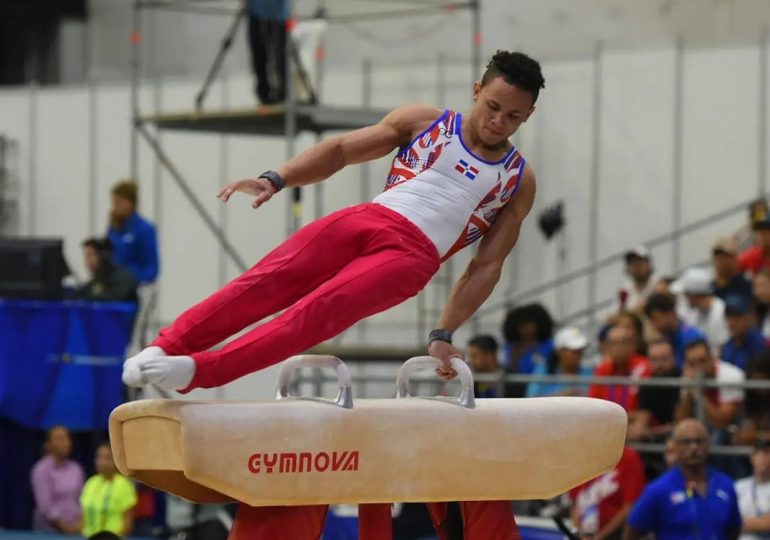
pixel 73 138
pixel 181 42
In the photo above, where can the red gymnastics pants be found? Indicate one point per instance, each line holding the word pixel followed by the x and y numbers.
pixel 327 276
pixel 482 520
pixel 332 273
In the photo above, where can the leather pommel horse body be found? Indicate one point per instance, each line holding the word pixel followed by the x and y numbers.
pixel 298 451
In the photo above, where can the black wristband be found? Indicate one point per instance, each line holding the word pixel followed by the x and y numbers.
pixel 439 334
pixel 275 179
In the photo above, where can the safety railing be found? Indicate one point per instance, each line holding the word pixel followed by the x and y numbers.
pixel 514 297
pixel 501 379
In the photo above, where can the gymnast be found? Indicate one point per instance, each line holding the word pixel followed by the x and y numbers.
pixel 455 179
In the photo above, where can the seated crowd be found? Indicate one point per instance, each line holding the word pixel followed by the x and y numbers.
pixel 702 331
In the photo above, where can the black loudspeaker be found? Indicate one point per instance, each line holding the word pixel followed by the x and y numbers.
pixel 551 220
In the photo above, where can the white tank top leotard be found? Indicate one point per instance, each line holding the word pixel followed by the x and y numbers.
pixel 447 191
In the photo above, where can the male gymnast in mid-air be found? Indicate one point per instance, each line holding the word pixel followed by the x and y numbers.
pixel 455 179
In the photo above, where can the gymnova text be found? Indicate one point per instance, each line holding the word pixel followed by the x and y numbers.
pixel 303 462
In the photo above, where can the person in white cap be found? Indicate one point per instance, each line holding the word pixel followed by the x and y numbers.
pixel 640 282
pixel 569 345
pixel 701 309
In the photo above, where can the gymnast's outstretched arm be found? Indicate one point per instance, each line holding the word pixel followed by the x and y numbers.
pixel 322 160
pixel 483 272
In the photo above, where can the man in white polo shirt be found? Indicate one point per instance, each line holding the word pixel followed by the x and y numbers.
pixel 754 494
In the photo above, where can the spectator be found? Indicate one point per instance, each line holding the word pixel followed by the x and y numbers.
pixel 656 464
pixel 528 332
pixel 108 281
pixel 570 343
pixel 722 404
pixel 624 362
pixel 56 485
pixel 744 237
pixel 728 278
pixel 104 535
pixel 745 339
pixel 268 40
pixel 754 494
pixel 757 406
pixel 107 498
pixel 756 258
pixel 663 285
pixel 186 520
pixel 604 347
pixel 669 453
pixel 148 520
pixel 133 238
pixel 640 280
pixel 690 501
pixel 661 312
pixel 482 356
pixel 655 418
pixel 600 506
pixel 701 309
pixel 633 322
pixel 762 301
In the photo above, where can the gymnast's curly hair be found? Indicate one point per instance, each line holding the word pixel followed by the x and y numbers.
pixel 517 69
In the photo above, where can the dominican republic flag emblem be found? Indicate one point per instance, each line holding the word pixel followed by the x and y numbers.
pixel 468 170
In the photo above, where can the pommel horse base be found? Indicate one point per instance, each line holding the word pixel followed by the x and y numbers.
pixel 305 451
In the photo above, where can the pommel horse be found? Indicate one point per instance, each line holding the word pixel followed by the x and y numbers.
pixel 309 451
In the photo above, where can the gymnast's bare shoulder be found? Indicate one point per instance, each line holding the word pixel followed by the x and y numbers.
pixel 410 120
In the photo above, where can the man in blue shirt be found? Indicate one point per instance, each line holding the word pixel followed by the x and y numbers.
pixel 691 500
pixel 133 238
pixel 661 311
pixel 746 339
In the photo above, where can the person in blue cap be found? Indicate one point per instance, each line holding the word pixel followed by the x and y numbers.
pixel 746 339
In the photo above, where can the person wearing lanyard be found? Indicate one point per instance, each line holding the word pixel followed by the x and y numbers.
pixel 691 501
pixel 107 498
pixel 754 494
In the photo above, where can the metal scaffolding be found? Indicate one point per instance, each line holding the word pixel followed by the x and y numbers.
pixel 287 120
pixel 9 186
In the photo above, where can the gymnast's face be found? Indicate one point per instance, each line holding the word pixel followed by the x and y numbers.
pixel 500 108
